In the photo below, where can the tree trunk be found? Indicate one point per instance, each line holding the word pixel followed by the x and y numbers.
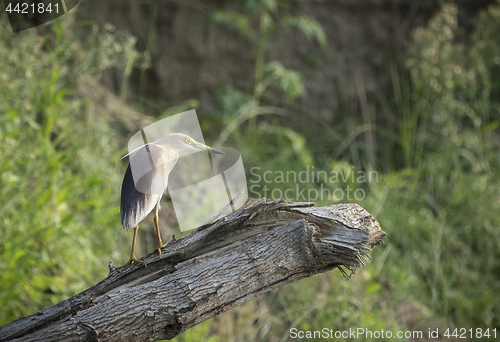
pixel 213 269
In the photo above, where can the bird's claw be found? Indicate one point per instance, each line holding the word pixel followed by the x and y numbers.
pixel 159 246
pixel 132 259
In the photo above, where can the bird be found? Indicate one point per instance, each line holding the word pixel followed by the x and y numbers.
pixel 150 165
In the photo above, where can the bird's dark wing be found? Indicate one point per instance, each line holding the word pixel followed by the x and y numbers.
pixel 140 197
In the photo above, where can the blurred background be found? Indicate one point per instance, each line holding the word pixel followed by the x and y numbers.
pixel 407 89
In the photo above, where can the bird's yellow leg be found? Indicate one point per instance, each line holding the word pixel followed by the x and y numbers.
pixel 132 255
pixel 160 245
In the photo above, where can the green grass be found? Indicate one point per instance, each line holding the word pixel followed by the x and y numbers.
pixel 58 197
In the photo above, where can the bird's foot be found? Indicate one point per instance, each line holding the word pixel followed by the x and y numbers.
pixel 132 259
pixel 159 246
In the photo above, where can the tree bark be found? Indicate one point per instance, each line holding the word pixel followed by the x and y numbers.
pixel 213 269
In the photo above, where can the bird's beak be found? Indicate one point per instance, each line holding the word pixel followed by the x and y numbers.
pixel 203 147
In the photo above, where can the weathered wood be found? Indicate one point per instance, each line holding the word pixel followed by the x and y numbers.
pixel 216 267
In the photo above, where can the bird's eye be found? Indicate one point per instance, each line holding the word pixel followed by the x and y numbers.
pixel 187 141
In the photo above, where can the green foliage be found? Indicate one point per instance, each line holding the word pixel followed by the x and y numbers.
pixel 109 47
pixel 234 20
pixel 437 199
pixel 310 27
pixel 57 198
pixel 286 80
pixel 439 213
pixel 329 301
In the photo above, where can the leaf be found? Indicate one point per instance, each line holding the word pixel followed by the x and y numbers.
pixel 234 20
pixel 308 25
pixel 288 81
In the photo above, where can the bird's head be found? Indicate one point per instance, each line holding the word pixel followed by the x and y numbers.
pixel 181 142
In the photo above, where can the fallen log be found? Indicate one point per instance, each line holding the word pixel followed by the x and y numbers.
pixel 216 267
